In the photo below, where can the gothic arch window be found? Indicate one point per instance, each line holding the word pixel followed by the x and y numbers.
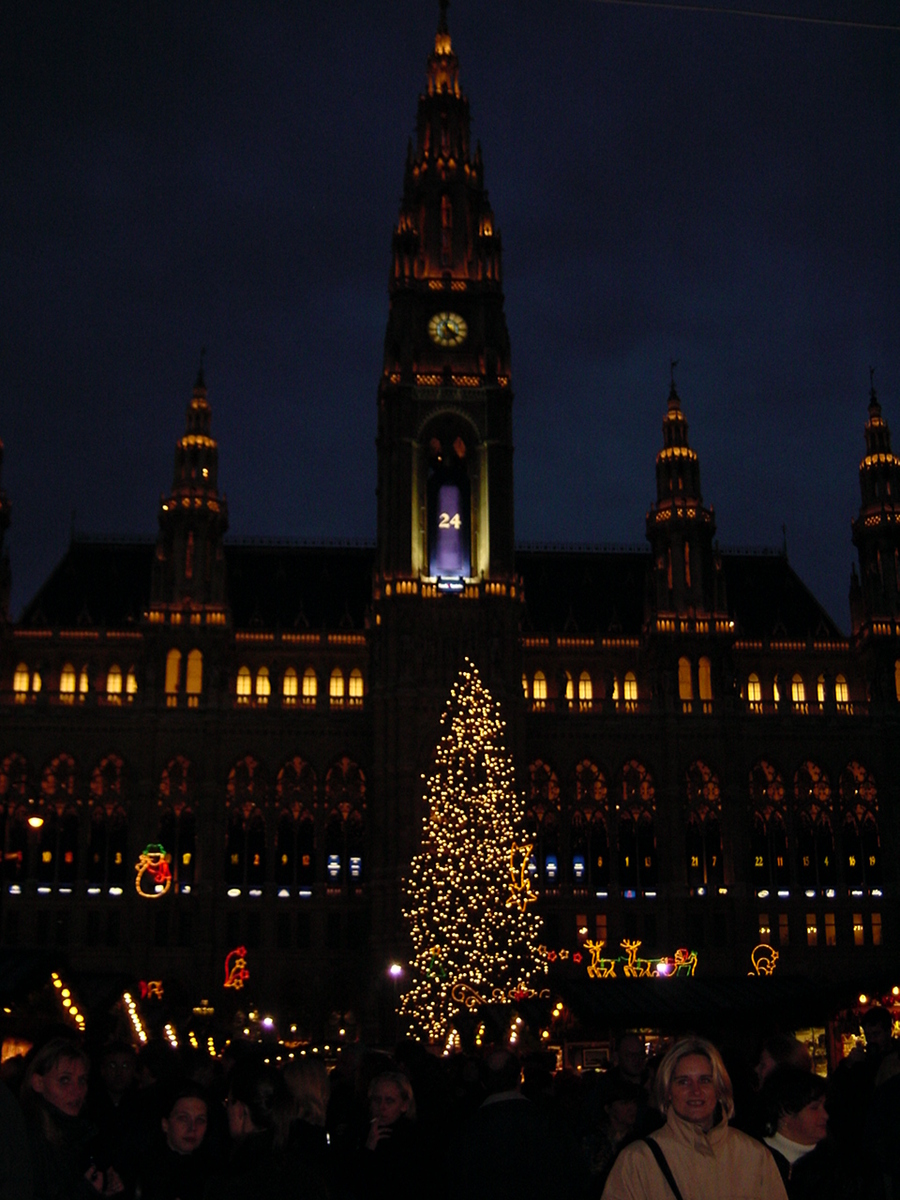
pixel 630 691
pixel 798 694
pixel 770 869
pixel 310 688
pixel 355 688
pixel 539 690
pixel 448 505
pixel 345 802
pixel 637 836
pixel 84 684
pixel 289 688
pixel 108 862
pixel 860 842
pixel 21 679
pixel 336 688
pixel 67 684
pixel 14 796
pixel 585 691
pixel 193 684
pixel 243 685
pixel 114 684
pixel 173 677
pixel 542 823
pixel 131 686
pixel 177 828
pixel 58 850
pixel 842 694
pixel 754 693
pixel 685 685
pixel 703 840
pixel 589 832
pixel 245 851
pixel 295 793
pixel 570 689
pixel 813 830
pixel 704 681
pixel 263 687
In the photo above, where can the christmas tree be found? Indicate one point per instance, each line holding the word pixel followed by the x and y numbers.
pixel 468 898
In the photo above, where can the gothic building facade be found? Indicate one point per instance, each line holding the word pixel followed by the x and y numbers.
pixel 707 761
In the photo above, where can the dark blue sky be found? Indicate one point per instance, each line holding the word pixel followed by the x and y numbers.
pixel 717 189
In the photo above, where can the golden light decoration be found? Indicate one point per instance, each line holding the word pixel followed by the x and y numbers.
pixel 763 960
pixel 236 972
pixel 465 933
pixel 153 875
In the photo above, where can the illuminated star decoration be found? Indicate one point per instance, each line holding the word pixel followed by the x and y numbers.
pixel 521 892
pixel 236 968
pixel 153 863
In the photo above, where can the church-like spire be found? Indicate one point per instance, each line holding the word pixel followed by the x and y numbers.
pixel 5 573
pixel 875 599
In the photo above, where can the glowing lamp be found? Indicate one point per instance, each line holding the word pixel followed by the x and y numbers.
pixel 863 998
pixel 395 970
pixel 35 822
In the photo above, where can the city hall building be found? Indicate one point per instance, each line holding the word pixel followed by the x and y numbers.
pixel 708 763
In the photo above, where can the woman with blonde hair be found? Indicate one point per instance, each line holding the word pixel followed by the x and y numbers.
pixel 696 1153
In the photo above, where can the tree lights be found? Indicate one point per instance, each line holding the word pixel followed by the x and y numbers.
pixel 468 903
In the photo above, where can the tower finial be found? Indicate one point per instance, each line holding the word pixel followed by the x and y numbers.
pixel 200 380
pixel 674 401
pixel 442 23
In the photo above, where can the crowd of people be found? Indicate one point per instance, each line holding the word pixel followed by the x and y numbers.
pixel 162 1126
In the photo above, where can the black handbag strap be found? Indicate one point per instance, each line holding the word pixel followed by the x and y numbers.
pixel 663 1166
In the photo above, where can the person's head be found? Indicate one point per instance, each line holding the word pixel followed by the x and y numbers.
pixel 307 1080
pixel 118 1068
pixel 631 1056
pixel 693 1083
pixel 185 1117
pixel 391 1097
pixel 876 1025
pixel 58 1074
pixel 620 1103
pixel 258 1101
pixel 501 1072
pixel 781 1050
pixel 794 1102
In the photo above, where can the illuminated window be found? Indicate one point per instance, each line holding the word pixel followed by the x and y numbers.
pixel 525 686
pixel 539 691
pixel 685 685
pixel 131 685
pixel 765 929
pixel 631 691
pixel 36 682
pixel 289 687
pixel 570 688
pixel 860 841
pixel 310 688
pixel 585 690
pixel 244 685
pixel 67 683
pixel 114 685
pixel 875 925
pixel 812 930
pixel 841 692
pixel 784 930
pixel 858 934
pixel 754 693
pixel 20 683
pixel 263 686
pixel 582 929
pixel 704 678
pixel 194 678
pixel 830 935
pixel 798 694
pixel 83 684
pixel 776 691
pixel 542 813
pixel 820 689
pixel 336 688
pixel 355 688
pixel 173 677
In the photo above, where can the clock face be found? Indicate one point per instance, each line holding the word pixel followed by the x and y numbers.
pixel 447 329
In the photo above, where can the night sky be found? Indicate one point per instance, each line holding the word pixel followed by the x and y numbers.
pixel 715 188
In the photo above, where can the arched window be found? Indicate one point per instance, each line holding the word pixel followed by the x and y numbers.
pixel 355 688
pixel 685 685
pixel 83 684
pixel 754 693
pixel 345 792
pixel 263 687
pixel 860 842
pixel 813 833
pixel 130 686
pixel 114 685
pixel 798 694
pixel 14 795
pixel 336 688
pixel 570 689
pixel 630 689
pixel 585 691
pixel 769 848
pixel 20 683
pixel 842 694
pixel 542 823
pixel 704 679
pixel 310 688
pixel 289 688
pixel 194 678
pixel 637 836
pixel 173 677
pixel 539 690
pixel 245 853
pixel 67 682
pixel 448 495
pixel 244 685
pixel 177 828
pixel 703 841
pixel 589 829
pixel 524 685
pixel 295 791
pixel 58 851
pixel 820 691
pixel 776 690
